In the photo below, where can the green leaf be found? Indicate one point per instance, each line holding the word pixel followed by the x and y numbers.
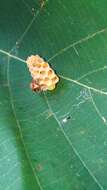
pixel 55 140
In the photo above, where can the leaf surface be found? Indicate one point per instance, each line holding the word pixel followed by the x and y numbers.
pixel 55 140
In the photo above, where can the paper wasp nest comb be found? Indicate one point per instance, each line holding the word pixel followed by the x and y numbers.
pixel 44 78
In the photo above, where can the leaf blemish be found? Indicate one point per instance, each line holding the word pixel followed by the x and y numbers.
pixel 66 119
pixel 43 3
pixel 39 167
pixel 33 11
pixel 49 115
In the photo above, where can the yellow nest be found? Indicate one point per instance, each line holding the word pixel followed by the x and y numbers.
pixel 43 75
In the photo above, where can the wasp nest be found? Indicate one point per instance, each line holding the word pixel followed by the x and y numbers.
pixel 44 78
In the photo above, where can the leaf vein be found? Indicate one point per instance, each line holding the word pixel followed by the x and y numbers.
pixel 92 72
pixel 72 45
pixel 83 85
